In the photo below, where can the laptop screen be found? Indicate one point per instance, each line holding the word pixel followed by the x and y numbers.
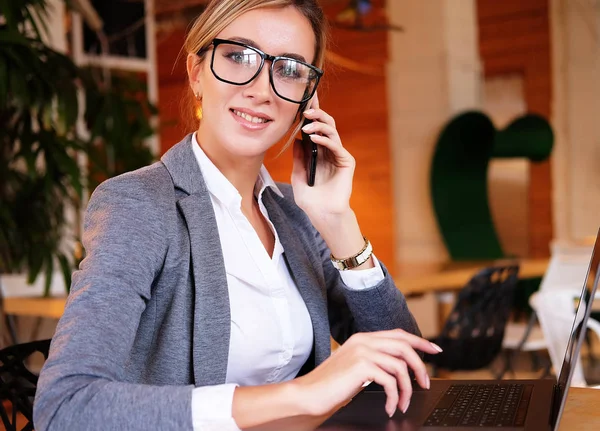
pixel 582 314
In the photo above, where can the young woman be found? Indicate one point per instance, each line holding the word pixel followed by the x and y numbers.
pixel 209 293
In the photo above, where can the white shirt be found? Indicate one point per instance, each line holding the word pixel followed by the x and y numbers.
pixel 271 331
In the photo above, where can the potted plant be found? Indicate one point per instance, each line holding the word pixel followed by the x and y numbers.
pixel 40 175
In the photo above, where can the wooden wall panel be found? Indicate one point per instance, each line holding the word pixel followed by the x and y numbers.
pixel 514 37
pixel 172 82
pixel 356 100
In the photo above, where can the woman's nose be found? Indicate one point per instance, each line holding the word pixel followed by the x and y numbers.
pixel 260 87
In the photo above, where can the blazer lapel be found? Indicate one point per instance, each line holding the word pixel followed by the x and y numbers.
pixel 212 315
pixel 310 285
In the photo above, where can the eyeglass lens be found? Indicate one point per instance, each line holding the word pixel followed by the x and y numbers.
pixel 237 64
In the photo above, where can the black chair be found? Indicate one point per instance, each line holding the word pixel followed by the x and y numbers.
pixel 18 383
pixel 472 335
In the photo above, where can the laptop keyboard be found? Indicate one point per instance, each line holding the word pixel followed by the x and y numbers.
pixel 482 405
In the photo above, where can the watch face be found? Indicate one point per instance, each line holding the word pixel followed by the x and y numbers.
pixel 339 265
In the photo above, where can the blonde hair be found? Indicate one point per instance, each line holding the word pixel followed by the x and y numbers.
pixel 220 13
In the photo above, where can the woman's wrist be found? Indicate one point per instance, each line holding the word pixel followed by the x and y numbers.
pixel 303 395
pixel 342 235
pixel 256 406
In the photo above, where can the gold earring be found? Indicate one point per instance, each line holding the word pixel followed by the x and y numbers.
pixel 199 108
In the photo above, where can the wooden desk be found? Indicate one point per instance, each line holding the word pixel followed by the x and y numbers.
pixel 418 278
pixel 52 308
pixel 581 412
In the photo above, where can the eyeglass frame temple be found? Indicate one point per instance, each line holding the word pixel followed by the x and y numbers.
pixel 263 56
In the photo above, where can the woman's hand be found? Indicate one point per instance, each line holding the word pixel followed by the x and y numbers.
pixel 383 357
pixel 303 403
pixel 330 196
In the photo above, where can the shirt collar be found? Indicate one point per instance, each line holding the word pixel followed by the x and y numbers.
pixel 263 181
pixel 218 184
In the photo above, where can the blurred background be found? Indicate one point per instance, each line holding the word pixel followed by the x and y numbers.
pixel 474 123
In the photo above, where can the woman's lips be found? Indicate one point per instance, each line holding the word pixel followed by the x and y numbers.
pixel 248 121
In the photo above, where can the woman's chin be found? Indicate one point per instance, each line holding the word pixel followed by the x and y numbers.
pixel 249 147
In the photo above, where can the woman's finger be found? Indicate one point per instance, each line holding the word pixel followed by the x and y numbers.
pixel 402 350
pixel 324 129
pixel 399 369
pixel 390 386
pixel 315 101
pixel 341 155
pixel 415 341
pixel 319 115
pixel 405 385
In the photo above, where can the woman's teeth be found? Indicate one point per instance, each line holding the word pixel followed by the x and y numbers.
pixel 250 117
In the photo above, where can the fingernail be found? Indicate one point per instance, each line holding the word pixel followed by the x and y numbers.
pixel 436 347
pixel 427 381
pixel 406 406
pixel 392 413
pixel 308 127
pixel 309 111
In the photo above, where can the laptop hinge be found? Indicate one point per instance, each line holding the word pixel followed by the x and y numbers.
pixel 555 405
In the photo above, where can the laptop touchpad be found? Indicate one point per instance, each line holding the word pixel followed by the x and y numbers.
pixel 367 412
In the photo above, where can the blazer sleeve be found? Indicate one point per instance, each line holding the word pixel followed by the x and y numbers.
pixel 377 308
pixel 82 384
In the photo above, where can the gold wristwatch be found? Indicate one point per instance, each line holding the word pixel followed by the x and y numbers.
pixel 356 260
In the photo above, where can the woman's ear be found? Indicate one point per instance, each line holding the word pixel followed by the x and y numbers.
pixel 194 69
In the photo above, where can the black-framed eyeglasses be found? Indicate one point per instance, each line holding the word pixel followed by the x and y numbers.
pixel 237 63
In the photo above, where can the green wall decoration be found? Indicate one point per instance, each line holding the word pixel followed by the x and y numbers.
pixel 459 186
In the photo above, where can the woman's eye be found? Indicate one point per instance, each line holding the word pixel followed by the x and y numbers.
pixel 289 70
pixel 238 57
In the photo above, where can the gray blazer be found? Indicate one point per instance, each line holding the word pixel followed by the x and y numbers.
pixel 148 315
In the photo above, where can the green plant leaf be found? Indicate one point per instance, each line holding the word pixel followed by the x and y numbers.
pixel 69 166
pixel 48 275
pixel 66 269
pixel 71 106
pixel 35 262
pixel 8 37
pixel 40 17
pixel 32 22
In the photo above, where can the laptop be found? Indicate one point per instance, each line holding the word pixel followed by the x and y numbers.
pixel 507 405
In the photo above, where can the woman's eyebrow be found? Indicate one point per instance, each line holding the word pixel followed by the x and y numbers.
pixel 245 41
pixel 254 44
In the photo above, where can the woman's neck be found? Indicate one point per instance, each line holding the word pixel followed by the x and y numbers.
pixel 242 172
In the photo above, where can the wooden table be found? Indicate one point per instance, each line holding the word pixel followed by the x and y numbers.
pixel 581 412
pixel 52 308
pixel 420 278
